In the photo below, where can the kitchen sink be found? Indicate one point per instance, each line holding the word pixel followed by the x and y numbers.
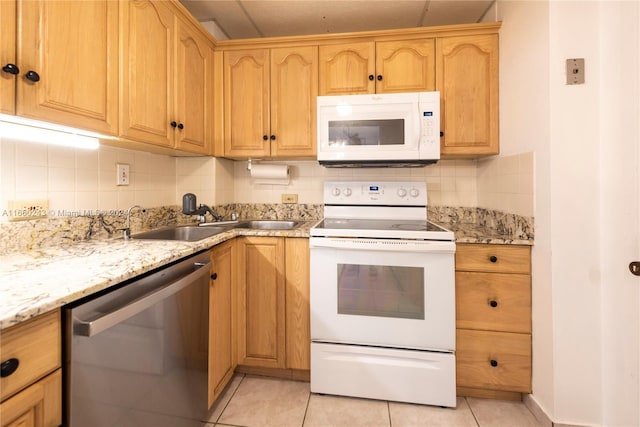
pixel 186 233
pixel 192 233
pixel 269 224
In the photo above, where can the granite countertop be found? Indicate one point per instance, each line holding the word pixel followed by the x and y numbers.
pixel 475 233
pixel 38 281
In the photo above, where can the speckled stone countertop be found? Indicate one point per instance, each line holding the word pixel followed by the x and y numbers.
pixel 477 225
pixel 478 233
pixel 49 263
pixel 37 281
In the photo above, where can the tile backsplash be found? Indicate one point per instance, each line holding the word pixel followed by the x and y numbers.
pixel 500 183
pixel 75 180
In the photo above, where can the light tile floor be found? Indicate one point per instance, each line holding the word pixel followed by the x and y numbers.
pixel 252 401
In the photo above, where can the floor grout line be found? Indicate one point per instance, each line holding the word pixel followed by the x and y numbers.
pixel 472 413
pixel 306 409
pixel 230 398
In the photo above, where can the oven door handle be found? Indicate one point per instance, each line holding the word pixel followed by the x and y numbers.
pixel 385 245
pixel 94 327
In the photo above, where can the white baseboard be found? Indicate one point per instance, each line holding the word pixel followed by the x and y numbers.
pixel 543 418
pixel 532 404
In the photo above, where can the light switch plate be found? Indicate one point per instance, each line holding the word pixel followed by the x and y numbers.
pixel 122 174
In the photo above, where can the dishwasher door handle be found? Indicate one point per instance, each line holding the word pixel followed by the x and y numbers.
pixel 94 327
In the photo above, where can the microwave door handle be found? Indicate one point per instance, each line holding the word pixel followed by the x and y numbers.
pixel 94 327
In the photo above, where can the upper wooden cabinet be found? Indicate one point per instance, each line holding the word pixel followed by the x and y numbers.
pixel 8 57
pixel 467 78
pixel 67 57
pixel 194 89
pixel 270 102
pixel 377 67
pixel 166 72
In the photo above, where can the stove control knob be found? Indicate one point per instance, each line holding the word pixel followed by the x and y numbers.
pixel 347 192
pixel 335 191
pixel 402 192
pixel 414 192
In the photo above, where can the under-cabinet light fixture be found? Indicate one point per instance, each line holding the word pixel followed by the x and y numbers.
pixel 35 131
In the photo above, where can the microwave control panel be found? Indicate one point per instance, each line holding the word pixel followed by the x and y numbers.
pixel 429 120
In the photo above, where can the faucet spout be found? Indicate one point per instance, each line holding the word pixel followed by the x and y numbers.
pixel 203 209
pixel 127 229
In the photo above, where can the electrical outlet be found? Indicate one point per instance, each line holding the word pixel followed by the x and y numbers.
pixel 289 198
pixel 20 210
pixel 122 174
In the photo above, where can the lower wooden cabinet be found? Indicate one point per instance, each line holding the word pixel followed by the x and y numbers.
pixel 273 306
pixel 261 300
pixel 493 320
pixel 221 325
pixel 31 395
pixel 493 360
pixel 39 405
pixel 298 328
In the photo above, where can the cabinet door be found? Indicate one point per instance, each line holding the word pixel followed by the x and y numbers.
pixel 294 88
pixel 194 96
pixel 467 78
pixel 246 103
pixel 146 104
pixel 39 405
pixel 405 66
pixel 221 332
pixel 347 68
pixel 297 303
pixel 8 56
pixel 73 47
pixel 261 302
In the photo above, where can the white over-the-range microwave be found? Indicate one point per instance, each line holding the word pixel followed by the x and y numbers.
pixel 379 130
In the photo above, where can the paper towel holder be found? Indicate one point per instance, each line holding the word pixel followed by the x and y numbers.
pixel 268 173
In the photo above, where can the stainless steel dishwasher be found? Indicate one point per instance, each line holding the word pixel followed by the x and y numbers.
pixel 137 355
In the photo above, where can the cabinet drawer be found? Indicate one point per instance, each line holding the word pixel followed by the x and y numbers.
pixel 493 360
pixel 493 301
pixel 36 345
pixel 493 258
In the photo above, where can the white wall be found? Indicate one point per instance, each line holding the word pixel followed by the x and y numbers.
pixel 575 138
pixel 525 127
pixel 585 313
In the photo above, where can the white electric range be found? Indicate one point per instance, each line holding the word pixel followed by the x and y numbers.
pixel 382 296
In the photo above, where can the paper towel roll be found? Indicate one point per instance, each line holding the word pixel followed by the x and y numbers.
pixel 270 174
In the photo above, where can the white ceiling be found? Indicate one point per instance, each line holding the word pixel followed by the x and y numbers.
pixel 239 19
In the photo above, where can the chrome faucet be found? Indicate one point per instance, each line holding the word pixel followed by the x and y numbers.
pixel 202 211
pixel 127 229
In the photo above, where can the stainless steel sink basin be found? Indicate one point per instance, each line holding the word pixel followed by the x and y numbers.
pixel 269 224
pixel 185 233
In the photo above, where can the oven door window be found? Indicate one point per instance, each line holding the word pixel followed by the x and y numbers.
pixel 380 290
